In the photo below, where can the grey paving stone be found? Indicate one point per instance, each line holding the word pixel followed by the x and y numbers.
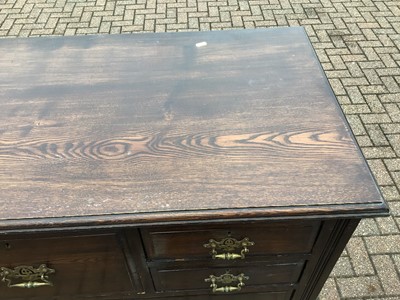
pixel 355 81
pixel 354 93
pixel 380 298
pixel 372 76
pixel 396 177
pixel 343 267
pixel 393 111
pixel 393 128
pixel 359 286
pixel 396 259
pixel 393 164
pixel 390 98
pixel 376 134
pixel 367 227
pixel 387 225
pixel 105 27
pixel 329 292
pixel 383 244
pixel 378 152
pixel 364 141
pixel 375 118
pixel 356 125
pixel 392 86
pixel 394 207
pixel 380 172
pixel 387 274
pixel 343 100
pixel 356 109
pixel 359 257
pixel 87 30
pixel 390 193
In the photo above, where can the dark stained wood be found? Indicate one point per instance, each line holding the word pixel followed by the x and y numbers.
pixel 136 261
pixel 273 295
pixel 146 126
pixel 84 265
pixel 269 238
pixel 333 239
pixel 191 276
pixel 136 150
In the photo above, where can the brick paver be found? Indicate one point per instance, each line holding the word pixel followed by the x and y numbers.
pixel 357 42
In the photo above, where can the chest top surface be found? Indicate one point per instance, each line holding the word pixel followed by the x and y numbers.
pixel 174 125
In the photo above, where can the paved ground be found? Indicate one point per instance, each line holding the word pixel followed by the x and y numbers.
pixel 357 42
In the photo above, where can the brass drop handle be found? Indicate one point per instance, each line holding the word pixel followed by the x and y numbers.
pixel 229 244
pixel 226 278
pixel 26 276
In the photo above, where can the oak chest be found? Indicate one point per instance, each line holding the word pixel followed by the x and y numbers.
pixel 207 165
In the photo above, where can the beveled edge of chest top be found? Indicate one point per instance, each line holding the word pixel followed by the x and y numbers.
pixel 137 129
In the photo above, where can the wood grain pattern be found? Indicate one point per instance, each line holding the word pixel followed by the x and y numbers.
pixel 150 123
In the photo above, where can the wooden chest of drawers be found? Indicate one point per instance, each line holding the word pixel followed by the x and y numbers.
pixel 212 165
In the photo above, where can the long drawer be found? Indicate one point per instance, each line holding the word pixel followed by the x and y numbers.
pixel 83 265
pixel 196 242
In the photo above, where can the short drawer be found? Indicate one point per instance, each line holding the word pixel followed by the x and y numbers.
pixel 191 277
pixel 187 242
pixel 83 265
pixel 271 295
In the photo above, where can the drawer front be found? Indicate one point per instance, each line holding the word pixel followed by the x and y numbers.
pixel 83 265
pixel 273 295
pixel 179 278
pixel 187 242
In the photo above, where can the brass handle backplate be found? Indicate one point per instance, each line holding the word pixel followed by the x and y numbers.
pixel 229 244
pixel 26 276
pixel 226 278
